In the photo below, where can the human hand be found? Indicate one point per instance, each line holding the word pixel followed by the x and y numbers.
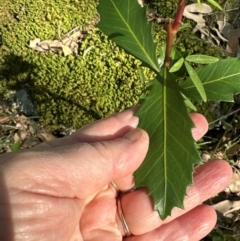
pixel 61 190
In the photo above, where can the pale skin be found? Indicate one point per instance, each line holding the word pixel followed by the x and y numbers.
pixel 61 190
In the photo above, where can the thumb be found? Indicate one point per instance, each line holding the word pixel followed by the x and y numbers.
pixel 109 160
pixel 201 125
pixel 78 170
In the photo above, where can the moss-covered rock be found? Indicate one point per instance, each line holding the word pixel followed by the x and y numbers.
pixel 69 91
pixel 86 88
pixel 74 90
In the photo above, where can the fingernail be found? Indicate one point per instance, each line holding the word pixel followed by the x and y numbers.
pixel 134 135
pixel 134 121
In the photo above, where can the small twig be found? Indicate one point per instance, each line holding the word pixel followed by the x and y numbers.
pixel 221 226
pixel 172 29
pixel 233 9
pixel 170 38
pixel 236 18
pixel 10 127
pixel 222 117
pixel 178 17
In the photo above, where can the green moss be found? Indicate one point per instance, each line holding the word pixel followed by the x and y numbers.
pixel 166 9
pixel 69 91
pixel 74 90
pixel 103 82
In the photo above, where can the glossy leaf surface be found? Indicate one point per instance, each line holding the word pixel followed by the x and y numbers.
pixel 220 80
pixel 201 59
pixel 177 65
pixel 125 23
pixel 196 81
pixel 189 103
pixel 168 167
pixel 214 3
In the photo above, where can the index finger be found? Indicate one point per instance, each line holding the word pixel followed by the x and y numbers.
pixel 110 128
pixel 114 127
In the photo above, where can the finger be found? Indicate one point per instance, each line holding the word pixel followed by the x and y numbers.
pixel 209 180
pixel 192 226
pixel 114 127
pixel 201 127
pixel 106 129
pixel 79 170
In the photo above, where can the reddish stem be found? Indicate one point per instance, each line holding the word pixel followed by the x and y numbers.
pixel 169 43
pixel 178 17
pixel 172 29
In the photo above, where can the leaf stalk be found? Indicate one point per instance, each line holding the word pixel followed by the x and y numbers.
pixel 172 29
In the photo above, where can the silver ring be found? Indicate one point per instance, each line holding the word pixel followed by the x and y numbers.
pixel 122 218
pixel 115 187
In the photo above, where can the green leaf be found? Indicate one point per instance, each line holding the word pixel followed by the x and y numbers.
pixel 221 81
pixel 176 54
pixel 168 167
pixel 177 65
pixel 125 23
pixel 161 56
pixel 196 81
pixel 16 146
pixel 185 26
pixel 199 4
pixel 141 76
pixel 201 59
pixel 214 3
pixel 189 103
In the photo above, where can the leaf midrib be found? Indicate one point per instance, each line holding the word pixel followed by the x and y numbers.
pixel 128 27
pixel 210 82
pixel 165 134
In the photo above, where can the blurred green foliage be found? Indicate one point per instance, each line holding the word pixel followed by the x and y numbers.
pixel 224 234
pixel 185 40
pixel 74 90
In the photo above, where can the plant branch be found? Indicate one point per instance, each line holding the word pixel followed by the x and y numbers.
pixel 178 17
pixel 172 29
pixel 169 43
